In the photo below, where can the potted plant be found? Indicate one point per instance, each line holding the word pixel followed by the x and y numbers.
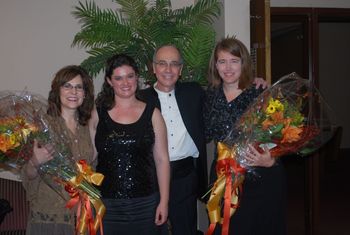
pixel 138 27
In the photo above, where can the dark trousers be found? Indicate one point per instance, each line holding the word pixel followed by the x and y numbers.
pixel 183 199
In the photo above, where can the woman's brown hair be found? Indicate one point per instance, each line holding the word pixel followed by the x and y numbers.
pixel 65 75
pixel 237 48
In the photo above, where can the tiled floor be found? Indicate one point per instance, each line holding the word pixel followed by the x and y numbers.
pixel 334 209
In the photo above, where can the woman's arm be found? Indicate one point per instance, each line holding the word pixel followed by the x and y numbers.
pixel 92 129
pixel 161 158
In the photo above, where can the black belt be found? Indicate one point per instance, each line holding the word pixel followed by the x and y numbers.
pixel 181 168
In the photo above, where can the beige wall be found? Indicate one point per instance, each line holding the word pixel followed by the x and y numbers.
pixel 35 41
pixel 234 20
pixel 36 36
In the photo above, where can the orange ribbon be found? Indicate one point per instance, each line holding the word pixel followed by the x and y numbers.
pixel 85 218
pixel 228 186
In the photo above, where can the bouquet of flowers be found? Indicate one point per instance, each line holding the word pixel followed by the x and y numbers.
pixel 289 117
pixel 22 119
pixel 18 126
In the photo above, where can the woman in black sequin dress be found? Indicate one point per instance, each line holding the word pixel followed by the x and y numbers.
pixel 131 143
pixel 230 92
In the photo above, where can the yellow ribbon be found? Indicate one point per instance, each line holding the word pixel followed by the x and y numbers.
pixel 230 176
pixel 86 172
pixel 84 213
pixel 85 219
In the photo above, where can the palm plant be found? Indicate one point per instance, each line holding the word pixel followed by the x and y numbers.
pixel 138 27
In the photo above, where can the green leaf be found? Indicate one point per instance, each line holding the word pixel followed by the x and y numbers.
pixel 138 27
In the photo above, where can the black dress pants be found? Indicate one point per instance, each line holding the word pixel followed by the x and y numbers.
pixel 183 201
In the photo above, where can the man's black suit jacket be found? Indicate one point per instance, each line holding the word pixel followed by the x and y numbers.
pixel 190 100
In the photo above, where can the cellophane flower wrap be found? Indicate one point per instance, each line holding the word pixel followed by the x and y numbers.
pixel 288 117
pixel 23 118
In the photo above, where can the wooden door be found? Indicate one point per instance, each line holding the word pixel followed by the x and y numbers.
pixel 260 38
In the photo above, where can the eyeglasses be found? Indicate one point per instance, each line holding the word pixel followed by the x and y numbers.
pixel 68 87
pixel 163 64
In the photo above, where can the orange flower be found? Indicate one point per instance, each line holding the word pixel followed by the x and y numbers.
pixel 274 118
pixel 5 143
pixel 267 123
pixel 290 134
pixel 277 117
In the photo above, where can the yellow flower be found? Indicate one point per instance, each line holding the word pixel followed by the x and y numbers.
pixel 26 133
pixel 270 109
pixel 279 106
pixel 13 139
pixel 273 106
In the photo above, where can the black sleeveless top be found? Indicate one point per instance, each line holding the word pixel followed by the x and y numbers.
pixel 125 156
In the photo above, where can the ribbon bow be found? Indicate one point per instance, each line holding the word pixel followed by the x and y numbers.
pixel 228 186
pixel 86 172
pixel 84 199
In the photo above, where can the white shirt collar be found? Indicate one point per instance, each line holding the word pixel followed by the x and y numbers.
pixel 162 93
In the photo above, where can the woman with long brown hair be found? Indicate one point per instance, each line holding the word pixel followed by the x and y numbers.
pixel 70 103
pixel 230 92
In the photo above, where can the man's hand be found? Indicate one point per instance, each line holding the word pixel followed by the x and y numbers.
pixel 260 82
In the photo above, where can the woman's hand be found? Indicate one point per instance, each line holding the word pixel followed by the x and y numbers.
pixel 41 154
pixel 161 214
pixel 255 158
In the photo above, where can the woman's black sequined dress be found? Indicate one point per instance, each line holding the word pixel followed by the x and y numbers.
pixel 125 156
pixel 130 187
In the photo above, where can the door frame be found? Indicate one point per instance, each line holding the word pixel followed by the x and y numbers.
pixel 311 17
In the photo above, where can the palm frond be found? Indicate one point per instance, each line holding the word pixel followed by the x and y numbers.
pixel 197 52
pixel 160 5
pixel 159 11
pixel 102 36
pixel 133 10
pixel 89 14
pixel 203 12
pixel 100 27
pixel 97 59
pixel 138 27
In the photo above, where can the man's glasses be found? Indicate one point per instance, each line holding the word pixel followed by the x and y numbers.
pixel 68 87
pixel 163 64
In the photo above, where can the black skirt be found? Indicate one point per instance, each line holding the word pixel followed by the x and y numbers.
pixel 132 216
pixel 262 208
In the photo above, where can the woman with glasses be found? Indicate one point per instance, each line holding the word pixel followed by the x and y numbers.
pixel 231 91
pixel 131 143
pixel 70 103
